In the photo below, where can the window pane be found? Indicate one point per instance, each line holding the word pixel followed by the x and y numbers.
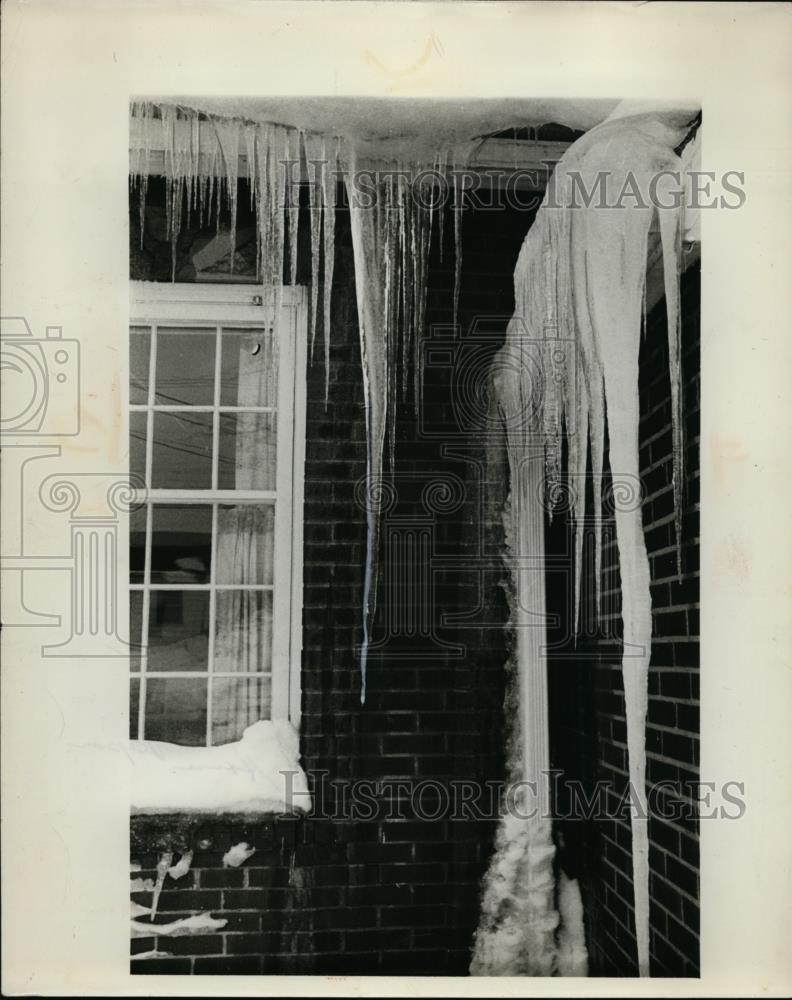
pixel 249 368
pixel 178 630
pixel 185 368
pixel 247 451
pixel 135 628
pixel 137 445
pixel 182 451
pixel 238 702
pixel 134 707
pixel 243 631
pixel 176 710
pixel 137 545
pixel 245 542
pixel 181 543
pixel 139 353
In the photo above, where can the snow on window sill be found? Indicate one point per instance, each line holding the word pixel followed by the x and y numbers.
pixel 259 774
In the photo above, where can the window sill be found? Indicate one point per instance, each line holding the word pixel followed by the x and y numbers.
pixel 258 775
pixel 209 832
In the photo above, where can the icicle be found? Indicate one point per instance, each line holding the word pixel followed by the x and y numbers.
pixel 218 189
pixel 615 279
pixel 278 181
pixel 671 224
pixel 329 199
pixel 593 387
pixel 168 121
pixel 404 280
pixel 164 863
pixel 270 152
pixel 588 270
pixel 250 156
pixel 293 193
pixel 609 276
pixel 367 246
pixel 421 282
pixel 140 167
pixel 457 244
pixel 413 265
pixel 389 242
pixel 313 160
pixel 195 160
pixel 516 933
pixel 551 403
pixel 573 396
pixel 263 204
pixel 442 166
pixel 578 455
pixel 397 319
pixel 227 134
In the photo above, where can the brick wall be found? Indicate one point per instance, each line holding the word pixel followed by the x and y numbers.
pixel 588 726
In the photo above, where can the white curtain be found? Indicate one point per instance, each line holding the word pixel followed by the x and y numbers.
pixel 245 543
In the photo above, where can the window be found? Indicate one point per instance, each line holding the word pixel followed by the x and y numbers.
pixel 217 434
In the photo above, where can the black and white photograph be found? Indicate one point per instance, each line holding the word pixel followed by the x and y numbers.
pixel 366 524
pixel 414 392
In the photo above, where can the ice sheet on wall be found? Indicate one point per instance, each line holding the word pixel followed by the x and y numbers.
pixel 579 301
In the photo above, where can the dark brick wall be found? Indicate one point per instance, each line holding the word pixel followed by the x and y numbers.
pixel 587 702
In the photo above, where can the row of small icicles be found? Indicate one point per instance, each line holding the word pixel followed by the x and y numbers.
pixel 392 224
pixel 584 270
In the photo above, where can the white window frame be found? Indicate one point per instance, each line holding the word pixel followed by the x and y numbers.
pixel 221 306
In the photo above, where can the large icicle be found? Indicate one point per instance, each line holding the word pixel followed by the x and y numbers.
pixel 614 279
pixel 314 153
pixel 516 933
pixel 368 251
pixel 582 273
pixel 390 247
pixel 671 226
pixel 458 208
pixel 329 179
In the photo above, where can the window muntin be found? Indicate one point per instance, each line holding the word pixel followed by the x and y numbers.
pixel 217 435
